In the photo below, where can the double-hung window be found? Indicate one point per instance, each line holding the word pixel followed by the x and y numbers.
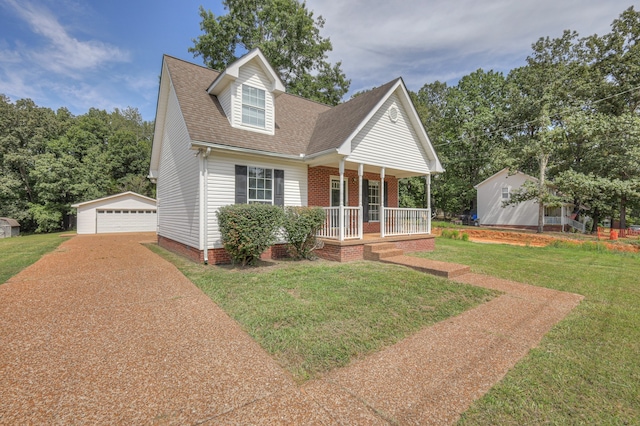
pixel 374 201
pixel 253 106
pixel 506 194
pixel 260 185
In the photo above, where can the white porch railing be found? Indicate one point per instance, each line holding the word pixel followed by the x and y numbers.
pixel 553 220
pixel 351 222
pixel 399 221
pixel 558 220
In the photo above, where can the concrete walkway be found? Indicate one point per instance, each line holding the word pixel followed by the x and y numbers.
pixel 104 331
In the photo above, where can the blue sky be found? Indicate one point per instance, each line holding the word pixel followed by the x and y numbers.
pixel 107 54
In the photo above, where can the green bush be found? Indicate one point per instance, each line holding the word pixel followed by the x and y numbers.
pixel 445 233
pixel 249 229
pixel 454 234
pixel 301 224
pixel 464 236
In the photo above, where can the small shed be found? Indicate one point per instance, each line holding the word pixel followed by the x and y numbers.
pixel 9 227
pixel 125 212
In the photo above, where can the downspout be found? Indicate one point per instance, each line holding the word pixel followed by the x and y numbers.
pixel 205 189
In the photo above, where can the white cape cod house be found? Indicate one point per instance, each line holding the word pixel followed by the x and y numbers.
pixel 237 137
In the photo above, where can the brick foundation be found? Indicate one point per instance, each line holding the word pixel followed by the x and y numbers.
pixel 217 256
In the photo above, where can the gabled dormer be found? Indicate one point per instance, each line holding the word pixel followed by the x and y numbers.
pixel 247 90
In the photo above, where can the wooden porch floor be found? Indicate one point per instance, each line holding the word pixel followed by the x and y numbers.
pixel 376 238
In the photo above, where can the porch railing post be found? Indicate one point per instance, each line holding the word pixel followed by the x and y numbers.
pixel 382 221
pixel 428 178
pixel 360 209
pixel 341 210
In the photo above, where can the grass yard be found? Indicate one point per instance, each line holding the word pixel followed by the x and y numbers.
pixel 19 252
pixel 587 369
pixel 315 316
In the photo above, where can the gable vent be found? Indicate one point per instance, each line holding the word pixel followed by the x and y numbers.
pixel 393 114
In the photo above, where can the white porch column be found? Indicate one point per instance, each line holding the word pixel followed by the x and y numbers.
pixel 428 179
pixel 341 210
pixel 361 210
pixel 562 218
pixel 382 202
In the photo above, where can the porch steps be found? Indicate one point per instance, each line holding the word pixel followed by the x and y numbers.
pixel 381 251
pixel 433 267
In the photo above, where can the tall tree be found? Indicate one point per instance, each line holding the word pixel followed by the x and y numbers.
pixel 288 35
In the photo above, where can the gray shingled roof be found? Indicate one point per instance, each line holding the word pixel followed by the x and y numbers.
pixel 10 222
pixel 302 126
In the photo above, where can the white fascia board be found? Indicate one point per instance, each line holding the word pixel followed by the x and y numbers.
pixel 233 71
pixel 161 114
pixel 122 194
pixel 502 171
pixel 218 147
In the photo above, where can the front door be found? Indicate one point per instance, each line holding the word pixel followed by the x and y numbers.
pixel 335 192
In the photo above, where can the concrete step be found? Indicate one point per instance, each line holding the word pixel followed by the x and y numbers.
pixel 433 267
pixel 381 251
pixel 372 248
pixel 382 254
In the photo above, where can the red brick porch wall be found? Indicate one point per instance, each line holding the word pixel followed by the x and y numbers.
pixel 346 253
pixel 319 190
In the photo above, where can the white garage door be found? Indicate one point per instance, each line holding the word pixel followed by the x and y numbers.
pixel 125 221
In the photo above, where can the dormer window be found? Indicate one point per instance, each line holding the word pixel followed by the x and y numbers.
pixel 253 106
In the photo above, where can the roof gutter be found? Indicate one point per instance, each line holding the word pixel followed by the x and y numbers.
pixel 200 144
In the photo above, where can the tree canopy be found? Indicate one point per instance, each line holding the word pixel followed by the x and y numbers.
pixel 571 114
pixel 288 35
pixel 50 160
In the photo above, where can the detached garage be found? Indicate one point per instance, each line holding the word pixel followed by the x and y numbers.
pixel 126 212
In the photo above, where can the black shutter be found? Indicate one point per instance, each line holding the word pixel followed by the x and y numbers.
pixel 386 194
pixel 365 200
pixel 278 195
pixel 241 184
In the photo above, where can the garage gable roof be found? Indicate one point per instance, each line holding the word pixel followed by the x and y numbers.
pixel 113 197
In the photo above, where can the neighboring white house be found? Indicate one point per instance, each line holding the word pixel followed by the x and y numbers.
pixel 496 189
pixel 125 212
pixel 237 137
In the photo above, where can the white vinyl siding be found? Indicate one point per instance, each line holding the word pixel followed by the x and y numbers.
pixel 252 75
pixel 225 102
pixel 221 185
pixel 178 181
pixel 490 198
pixel 384 143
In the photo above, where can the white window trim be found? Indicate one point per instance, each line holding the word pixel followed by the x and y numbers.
pixel 255 200
pixel 257 107
pixel 377 182
pixel 508 197
pixel 346 189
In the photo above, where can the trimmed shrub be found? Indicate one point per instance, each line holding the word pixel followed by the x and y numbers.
pixel 301 224
pixel 248 230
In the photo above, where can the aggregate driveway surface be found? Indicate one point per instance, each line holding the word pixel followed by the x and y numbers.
pixel 103 331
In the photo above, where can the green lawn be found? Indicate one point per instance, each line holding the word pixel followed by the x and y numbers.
pixel 19 252
pixel 315 316
pixel 587 369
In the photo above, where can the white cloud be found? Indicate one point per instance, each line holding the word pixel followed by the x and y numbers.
pixel 445 40
pixel 63 53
